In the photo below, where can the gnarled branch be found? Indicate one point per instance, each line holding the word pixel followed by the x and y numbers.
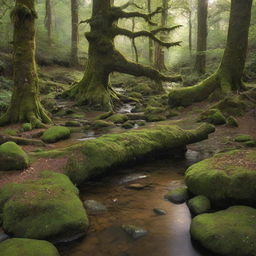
pixel 132 35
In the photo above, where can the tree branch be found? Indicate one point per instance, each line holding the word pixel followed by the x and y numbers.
pixel 130 3
pixel 165 29
pixel 124 66
pixel 132 35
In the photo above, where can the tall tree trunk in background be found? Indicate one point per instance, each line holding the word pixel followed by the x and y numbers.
pixel 150 42
pixel 25 105
pixel 228 77
pixel 134 47
pixel 74 33
pixel 202 32
pixel 190 28
pixel 48 20
pixel 159 50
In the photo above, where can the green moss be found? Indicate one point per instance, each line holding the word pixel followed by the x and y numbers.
pixel 155 114
pixel 178 195
pixel 118 118
pixel 27 127
pixel 98 124
pixel 213 116
pixel 56 133
pixel 243 138
pixel 27 247
pixel 12 157
pixel 128 125
pixel 104 115
pixel 143 88
pixel 135 95
pixel 138 108
pixel 228 232
pixel 227 177
pixel 10 132
pixel 199 205
pixel 141 123
pixel 250 143
pixel 232 122
pixel 45 208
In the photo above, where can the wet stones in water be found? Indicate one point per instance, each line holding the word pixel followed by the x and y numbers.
pixel 134 231
pixel 159 211
pixel 93 206
pixel 178 195
pixel 138 186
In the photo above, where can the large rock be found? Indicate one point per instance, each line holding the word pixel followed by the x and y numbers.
pixel 228 232
pixel 12 157
pixel 225 178
pixel 56 133
pixel 27 247
pixel 45 208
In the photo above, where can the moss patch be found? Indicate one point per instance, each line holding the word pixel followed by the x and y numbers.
pixel 118 118
pixel 213 116
pixel 45 208
pixel 56 133
pixel 243 138
pixel 27 247
pixel 199 205
pixel 228 232
pixel 12 157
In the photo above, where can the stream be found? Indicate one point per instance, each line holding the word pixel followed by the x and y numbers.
pixel 168 235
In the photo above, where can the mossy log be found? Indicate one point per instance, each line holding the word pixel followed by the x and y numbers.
pixel 228 77
pixel 94 157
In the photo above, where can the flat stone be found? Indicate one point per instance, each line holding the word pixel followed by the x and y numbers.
pixel 93 206
pixel 159 211
pixel 137 186
pixel 134 231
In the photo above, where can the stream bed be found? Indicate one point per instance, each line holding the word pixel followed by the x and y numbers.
pixel 168 235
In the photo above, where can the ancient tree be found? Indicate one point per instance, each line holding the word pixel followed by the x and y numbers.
pixel 228 77
pixel 74 32
pixel 25 105
pixel 202 32
pixel 95 89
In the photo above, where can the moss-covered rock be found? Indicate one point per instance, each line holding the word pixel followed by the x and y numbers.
pixel 12 157
pixel 27 247
pixel 47 207
pixel 104 115
pixel 98 124
pixel 228 232
pixel 138 108
pixel 155 114
pixel 118 118
pixel 178 195
pixel 128 125
pixel 142 88
pixel 232 122
pixel 94 157
pixel 199 205
pixel 213 116
pixel 243 138
pixel 225 178
pixel 250 143
pixel 56 133
pixel 27 127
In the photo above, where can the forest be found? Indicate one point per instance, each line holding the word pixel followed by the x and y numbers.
pixel 127 128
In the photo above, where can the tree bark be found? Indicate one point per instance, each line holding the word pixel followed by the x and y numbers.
pixel 48 20
pixel 228 77
pixel 150 42
pixel 190 27
pixel 159 51
pixel 202 32
pixel 25 105
pixel 74 33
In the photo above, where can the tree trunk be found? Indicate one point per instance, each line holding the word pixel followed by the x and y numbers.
pixel 150 42
pixel 202 32
pixel 228 77
pixel 190 32
pixel 25 105
pixel 134 47
pixel 74 37
pixel 159 51
pixel 48 20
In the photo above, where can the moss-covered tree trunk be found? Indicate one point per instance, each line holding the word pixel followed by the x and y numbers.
pixel 25 105
pixel 228 77
pixel 74 33
pixel 95 89
pixel 202 32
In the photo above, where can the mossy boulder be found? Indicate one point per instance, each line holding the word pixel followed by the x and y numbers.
pixel 12 157
pixel 155 114
pixel 250 143
pixel 199 205
pixel 56 133
pixel 142 88
pixel 118 118
pixel 47 207
pixel 227 232
pixel 243 138
pixel 213 116
pixel 27 247
pixel 232 122
pixel 178 195
pixel 225 178
pixel 128 125
pixel 27 127
pixel 104 115
pixel 99 124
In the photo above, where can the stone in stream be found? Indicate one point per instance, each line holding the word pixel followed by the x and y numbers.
pixel 159 211
pixel 178 195
pixel 134 231
pixel 3 236
pixel 138 186
pixel 93 206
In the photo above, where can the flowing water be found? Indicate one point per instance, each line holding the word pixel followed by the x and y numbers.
pixel 168 235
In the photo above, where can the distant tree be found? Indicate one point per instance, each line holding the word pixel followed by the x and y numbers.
pixel 95 89
pixel 25 105
pixel 74 32
pixel 48 20
pixel 228 77
pixel 150 41
pixel 202 32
